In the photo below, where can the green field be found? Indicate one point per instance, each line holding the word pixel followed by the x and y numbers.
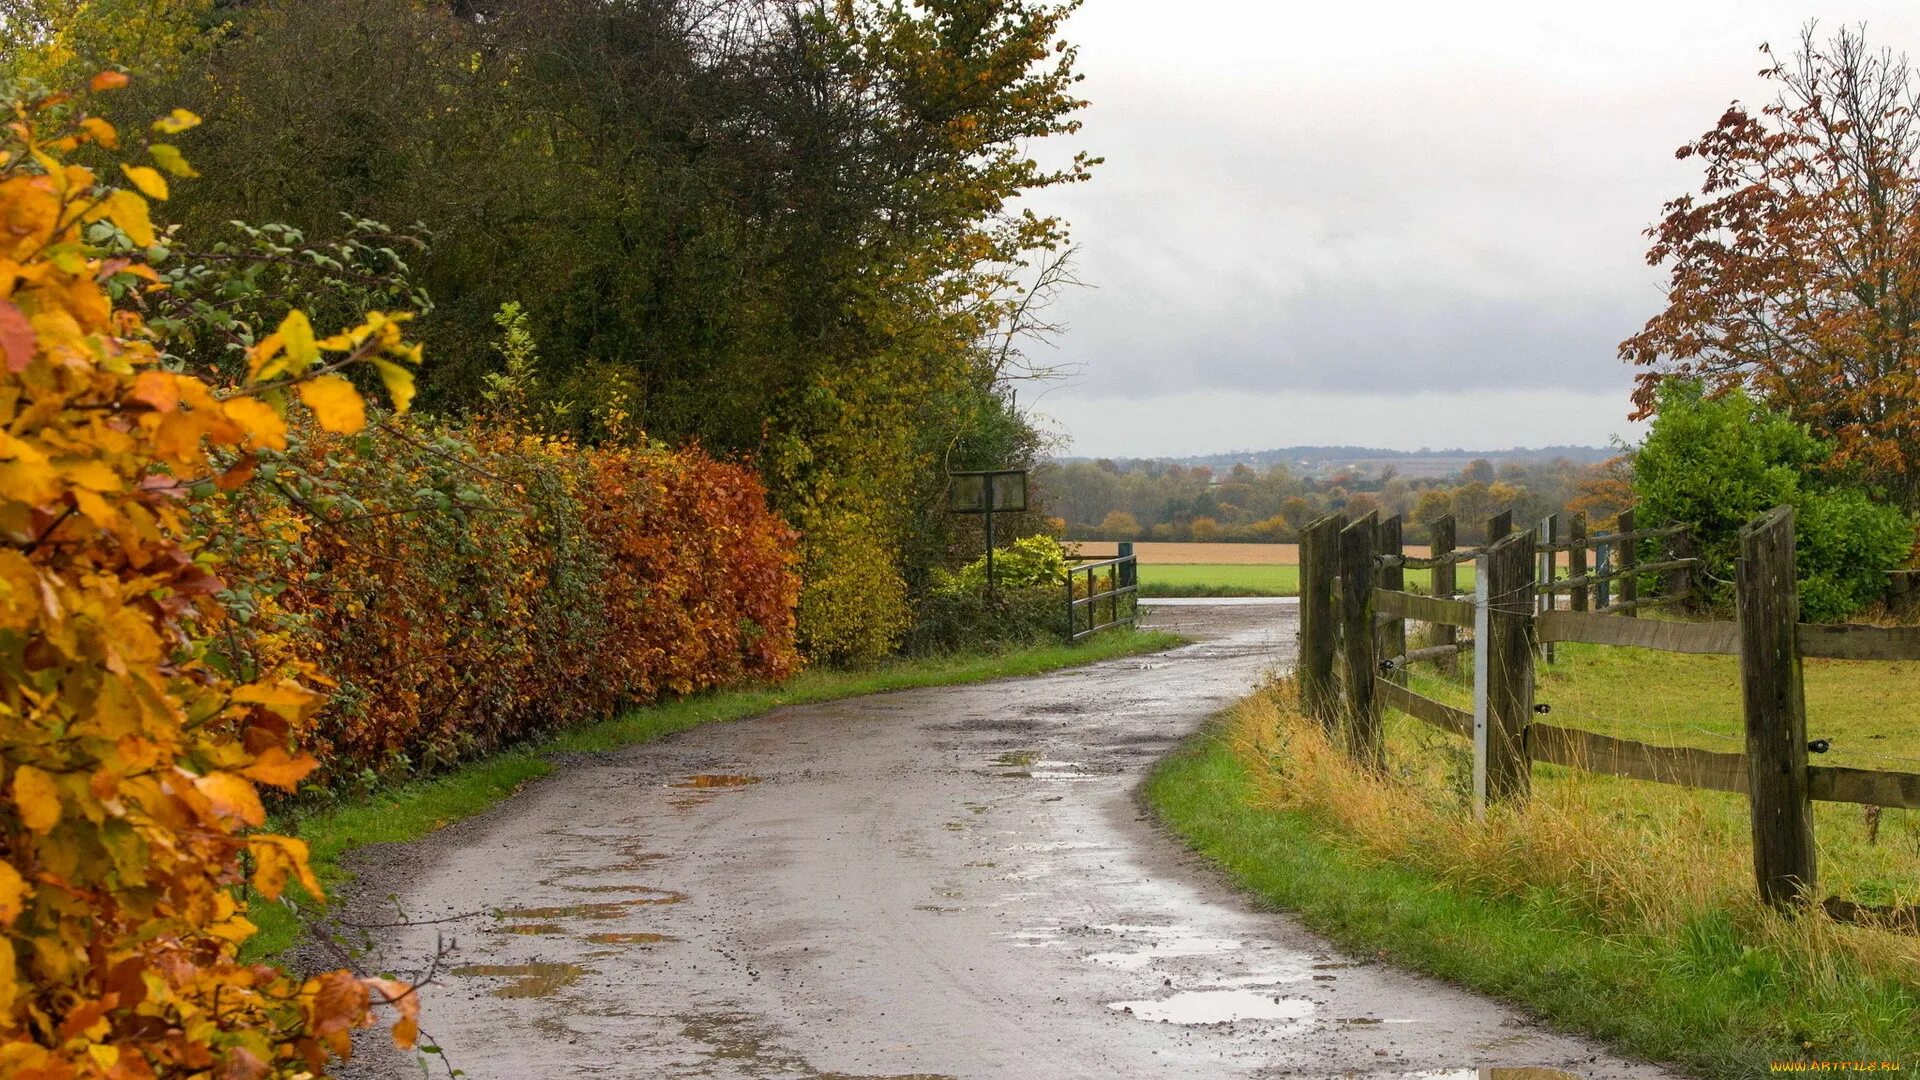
pixel 1230 579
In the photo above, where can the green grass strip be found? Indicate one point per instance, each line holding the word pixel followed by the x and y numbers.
pixel 1704 999
pixel 413 809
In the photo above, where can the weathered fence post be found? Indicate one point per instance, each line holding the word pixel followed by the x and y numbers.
pixel 1391 634
pixel 1440 544
pixel 1629 558
pixel 1498 526
pixel 1362 711
pixel 1680 579
pixel 1768 595
pixel 1577 560
pixel 1319 567
pixel 1509 694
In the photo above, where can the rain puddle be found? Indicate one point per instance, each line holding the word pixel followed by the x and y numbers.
pixel 629 939
pixel 611 909
pixel 1017 759
pixel 529 980
pixel 1216 1007
pixel 533 928
pixel 716 780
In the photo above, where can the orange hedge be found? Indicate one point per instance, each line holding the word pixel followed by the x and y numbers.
pixel 467 586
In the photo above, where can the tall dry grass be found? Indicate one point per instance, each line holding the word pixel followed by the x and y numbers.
pixel 1621 857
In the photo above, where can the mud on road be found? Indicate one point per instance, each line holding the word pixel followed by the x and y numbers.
pixel 949 882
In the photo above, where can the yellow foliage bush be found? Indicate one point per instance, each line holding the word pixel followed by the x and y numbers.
pixel 130 764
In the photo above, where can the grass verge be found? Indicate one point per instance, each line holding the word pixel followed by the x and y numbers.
pixel 413 809
pixel 1619 926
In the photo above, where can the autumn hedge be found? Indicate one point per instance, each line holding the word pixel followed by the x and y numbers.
pixel 464 586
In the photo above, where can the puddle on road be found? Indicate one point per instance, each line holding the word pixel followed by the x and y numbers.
pixel 611 909
pixel 529 980
pixel 533 928
pixel 1017 759
pixel 629 939
pixel 1216 1007
pixel 738 1038
pixel 716 780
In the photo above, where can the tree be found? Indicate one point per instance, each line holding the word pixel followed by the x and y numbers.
pixel 1794 273
pixel 1119 525
pixel 1714 464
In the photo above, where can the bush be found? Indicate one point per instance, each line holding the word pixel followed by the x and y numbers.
pixel 466 586
pixel 1717 463
pixel 1028 604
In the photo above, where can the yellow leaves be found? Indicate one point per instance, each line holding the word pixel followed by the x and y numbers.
pixel 107 80
pixel 129 211
pixel 175 122
pixel 335 404
pixel 283 698
pixel 399 384
pixel 101 132
pixel 148 180
pixel 296 335
pixel 168 157
pixel 263 426
pixel 281 769
pixel 37 798
pixel 407 1000
pixel 277 859
pixel 148 762
pixel 13 894
pixel 232 798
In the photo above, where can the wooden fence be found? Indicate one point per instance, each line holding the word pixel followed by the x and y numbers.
pixel 1354 656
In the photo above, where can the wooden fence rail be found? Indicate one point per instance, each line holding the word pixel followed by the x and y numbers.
pixel 1354 657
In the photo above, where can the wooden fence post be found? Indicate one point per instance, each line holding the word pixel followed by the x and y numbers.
pixel 1362 712
pixel 1680 580
pixel 1768 595
pixel 1319 629
pixel 1510 585
pixel 1629 558
pixel 1440 543
pixel 1577 560
pixel 1499 526
pixel 1391 635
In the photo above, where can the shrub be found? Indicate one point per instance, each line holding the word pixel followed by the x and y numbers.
pixel 130 758
pixel 1716 463
pixel 1027 605
pixel 469 585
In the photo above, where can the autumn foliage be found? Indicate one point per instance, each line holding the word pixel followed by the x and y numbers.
pixel 466 585
pixel 207 590
pixel 131 763
pixel 1794 273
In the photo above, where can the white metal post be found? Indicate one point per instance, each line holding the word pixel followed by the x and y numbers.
pixel 1481 658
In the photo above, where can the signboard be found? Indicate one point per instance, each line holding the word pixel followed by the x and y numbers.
pixel 997 491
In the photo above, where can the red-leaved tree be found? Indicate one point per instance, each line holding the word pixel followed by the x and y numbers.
pixel 1795 270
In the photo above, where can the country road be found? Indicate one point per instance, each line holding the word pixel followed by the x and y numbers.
pixel 933 883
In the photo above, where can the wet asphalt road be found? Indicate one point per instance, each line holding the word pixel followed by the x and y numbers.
pixel 949 882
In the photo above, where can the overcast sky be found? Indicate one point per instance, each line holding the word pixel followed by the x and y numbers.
pixel 1383 223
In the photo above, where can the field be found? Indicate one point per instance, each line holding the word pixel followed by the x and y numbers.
pixel 1247 579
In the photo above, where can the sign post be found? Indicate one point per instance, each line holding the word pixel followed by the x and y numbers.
pixel 988 492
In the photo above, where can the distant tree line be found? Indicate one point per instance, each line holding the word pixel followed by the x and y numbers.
pixel 1157 500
